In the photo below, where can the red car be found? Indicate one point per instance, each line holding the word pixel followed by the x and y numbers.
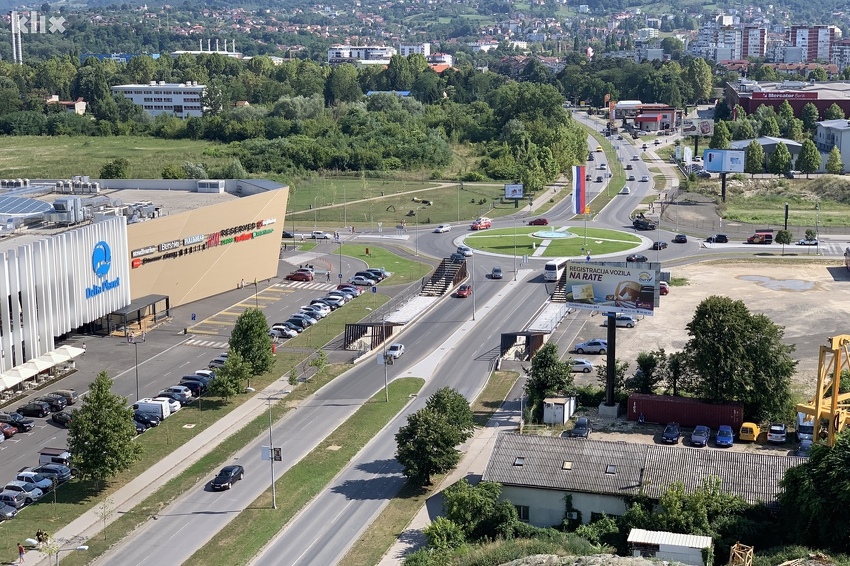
pixel 481 224
pixel 8 430
pixel 464 291
pixel 538 222
pixel 299 276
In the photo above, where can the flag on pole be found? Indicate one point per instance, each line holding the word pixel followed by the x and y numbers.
pixel 579 193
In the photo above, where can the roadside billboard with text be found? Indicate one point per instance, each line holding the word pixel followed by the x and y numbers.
pixel 697 127
pixel 513 191
pixel 627 288
pixel 723 160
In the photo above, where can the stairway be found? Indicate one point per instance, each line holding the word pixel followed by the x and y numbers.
pixel 560 293
pixel 447 274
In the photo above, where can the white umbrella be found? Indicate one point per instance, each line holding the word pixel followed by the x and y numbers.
pixel 20 373
pixel 37 365
pixel 70 351
pixel 54 358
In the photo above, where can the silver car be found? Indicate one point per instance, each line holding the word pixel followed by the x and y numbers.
pixel 595 346
pixel 30 491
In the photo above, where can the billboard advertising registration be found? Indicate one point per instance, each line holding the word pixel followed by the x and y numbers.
pixel 723 160
pixel 697 127
pixel 513 191
pixel 612 287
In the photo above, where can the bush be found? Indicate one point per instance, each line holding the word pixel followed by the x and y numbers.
pixel 473 176
pixel 444 534
pixel 590 395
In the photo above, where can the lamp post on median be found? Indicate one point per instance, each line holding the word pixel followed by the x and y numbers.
pixel 786 216
pixel 136 347
pixel 817 229
pixel 271 452
pixel 514 248
pixel 472 283
pixel 58 550
pixel 315 212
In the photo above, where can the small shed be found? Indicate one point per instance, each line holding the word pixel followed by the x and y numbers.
pixel 687 549
pixel 558 410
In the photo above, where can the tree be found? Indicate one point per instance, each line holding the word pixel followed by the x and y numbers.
pixel 651 370
pixel 620 369
pixel 769 127
pixel 426 446
pixel 783 237
pixel 700 78
pixel 785 112
pixel 834 166
pixel 809 159
pixel 818 74
pixel 677 371
pixel 115 169
pixel 230 377
pixel 342 85
pixel 810 116
pixel 250 338
pixel 721 137
pixel 834 112
pixel 780 161
pixel 477 511
pixel 682 512
pixel 754 162
pixel 734 355
pixel 548 375
pixel 101 434
pixel 455 408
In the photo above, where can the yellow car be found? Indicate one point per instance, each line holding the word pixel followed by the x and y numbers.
pixel 598 149
pixel 749 432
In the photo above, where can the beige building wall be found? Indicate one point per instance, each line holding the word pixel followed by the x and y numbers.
pixel 190 265
pixel 546 507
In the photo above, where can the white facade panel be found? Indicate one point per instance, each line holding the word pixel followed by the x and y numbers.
pixel 54 285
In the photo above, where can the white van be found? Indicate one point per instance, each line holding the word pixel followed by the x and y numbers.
pixel 54 456
pixel 161 409
pixel 805 427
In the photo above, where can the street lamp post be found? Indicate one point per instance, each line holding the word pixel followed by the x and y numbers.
pixel 514 248
pixel 386 371
pixel 472 282
pixel 315 211
pixel 271 453
pixel 256 292
pixel 136 347
pixel 81 547
pixel 786 216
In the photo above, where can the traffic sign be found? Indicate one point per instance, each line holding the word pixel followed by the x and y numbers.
pixel 374 289
pixel 339 275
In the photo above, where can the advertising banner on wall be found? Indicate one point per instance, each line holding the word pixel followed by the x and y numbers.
pixel 723 160
pixel 697 127
pixel 612 287
pixel 513 191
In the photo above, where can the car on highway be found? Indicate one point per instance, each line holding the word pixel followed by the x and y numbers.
pixel 581 429
pixel 457 258
pixel 442 228
pixel 17 420
pixel 718 239
pixel 598 149
pixel 538 222
pixel 637 258
pixel 287 234
pixel 395 351
pixel 57 472
pixel 588 177
pixel 622 321
pixel 361 280
pixel 55 402
pixel 625 191
pixel 671 433
pixel 34 409
pixel 496 273
pixel 43 483
pixel 635 158
pixel 659 245
pixel 227 477
pixel 808 242
pixel 644 179
pixel 629 167
pixel 777 433
pixel 62 418
pixel 465 250
pixel 320 235
pixel 644 147
pixel 700 436
pixel 8 430
pixel 590 157
pixel 680 239
pixel 300 276
pixel 603 166
pixel 725 437
pixel 582 365
pixel 595 346
pixel 30 491
pixel 657 142
pixel 464 291
pixel 630 178
pixel 482 224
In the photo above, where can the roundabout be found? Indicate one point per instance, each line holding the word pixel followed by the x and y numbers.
pixel 571 241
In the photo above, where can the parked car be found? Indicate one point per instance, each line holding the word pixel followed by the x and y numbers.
pixel 328 304
pixel 808 242
pixel 282 333
pixel 148 419
pixel 360 280
pixel 34 409
pixel 725 437
pixel 777 433
pixel 805 448
pixel 62 418
pixel 595 346
pixel 663 288
pixel 57 472
pixel 334 301
pixel 496 273
pixel 196 387
pixel 379 273
pixel 324 310
pixel 749 432
pixel 300 276
pixel 637 258
pixel 306 318
pixel 17 420
pixel 700 436
pixel 178 389
pixel 140 428
pixel 718 239
pixel 680 239
pixel 538 222
pixel 582 365
pixel 14 499
pixel 671 433
pixel 55 403
pixel 8 430
pixel 465 250
pixel 217 362
pixel 659 245
pixel 464 291
pixel 30 491
pixel 703 174
pixel 227 477
pixel 395 351
pixel 41 482
pixel 581 428
pixel 69 394
pixel 298 323
pixel 349 288
pixel 622 321
pixel 442 228
pixel 173 404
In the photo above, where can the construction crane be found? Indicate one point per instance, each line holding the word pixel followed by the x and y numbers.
pixel 828 404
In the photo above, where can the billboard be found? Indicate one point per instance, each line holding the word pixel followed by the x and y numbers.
pixel 513 191
pixel 579 190
pixel 688 156
pixel 723 160
pixel 778 95
pixel 626 288
pixel 697 127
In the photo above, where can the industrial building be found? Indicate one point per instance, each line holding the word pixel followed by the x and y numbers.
pixel 751 94
pixel 181 100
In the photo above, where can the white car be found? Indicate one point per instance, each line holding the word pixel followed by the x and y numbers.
pixel 324 309
pixel 308 320
pixel 465 250
pixel 360 280
pixel 622 321
pixel 43 483
pixel 282 332
pixel 178 389
pixel 315 313
pixel 319 235
pixel 173 404
pixel 395 351
pixel 625 191
pixel 808 242
pixel 644 179
pixel 582 365
pixel 442 228
pixel 30 491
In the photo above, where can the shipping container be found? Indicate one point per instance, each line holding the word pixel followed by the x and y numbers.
pixel 663 409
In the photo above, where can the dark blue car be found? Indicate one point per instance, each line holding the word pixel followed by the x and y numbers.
pixel 725 437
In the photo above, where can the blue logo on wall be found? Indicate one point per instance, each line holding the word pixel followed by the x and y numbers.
pixel 101 262
pixel 101 259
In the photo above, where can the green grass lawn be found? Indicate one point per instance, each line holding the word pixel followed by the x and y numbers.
pixel 600 241
pixel 258 523
pixel 404 271
pixel 60 157
pixel 770 210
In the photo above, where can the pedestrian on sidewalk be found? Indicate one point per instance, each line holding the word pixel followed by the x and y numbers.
pixel 21 552
pixel 329 275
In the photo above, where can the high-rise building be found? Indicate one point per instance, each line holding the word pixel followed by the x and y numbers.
pixel 816 40
pixel 753 41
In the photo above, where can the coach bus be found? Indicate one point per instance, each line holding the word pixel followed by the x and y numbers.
pixel 554 269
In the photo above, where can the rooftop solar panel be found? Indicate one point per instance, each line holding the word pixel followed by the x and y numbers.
pixel 21 206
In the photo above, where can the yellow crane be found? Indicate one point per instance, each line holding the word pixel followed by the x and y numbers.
pixel 828 404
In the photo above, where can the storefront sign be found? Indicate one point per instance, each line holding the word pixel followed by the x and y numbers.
pixel 143 251
pixel 194 239
pixel 165 246
pixel 267 222
pixel 785 96
pixel 101 262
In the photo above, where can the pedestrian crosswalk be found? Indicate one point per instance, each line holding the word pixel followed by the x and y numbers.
pixel 313 285
pixel 207 344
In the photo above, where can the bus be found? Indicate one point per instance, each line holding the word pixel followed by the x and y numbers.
pixel 554 269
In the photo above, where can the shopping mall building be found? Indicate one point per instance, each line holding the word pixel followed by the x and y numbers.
pixel 98 255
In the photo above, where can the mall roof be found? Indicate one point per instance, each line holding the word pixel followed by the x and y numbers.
pixel 825 90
